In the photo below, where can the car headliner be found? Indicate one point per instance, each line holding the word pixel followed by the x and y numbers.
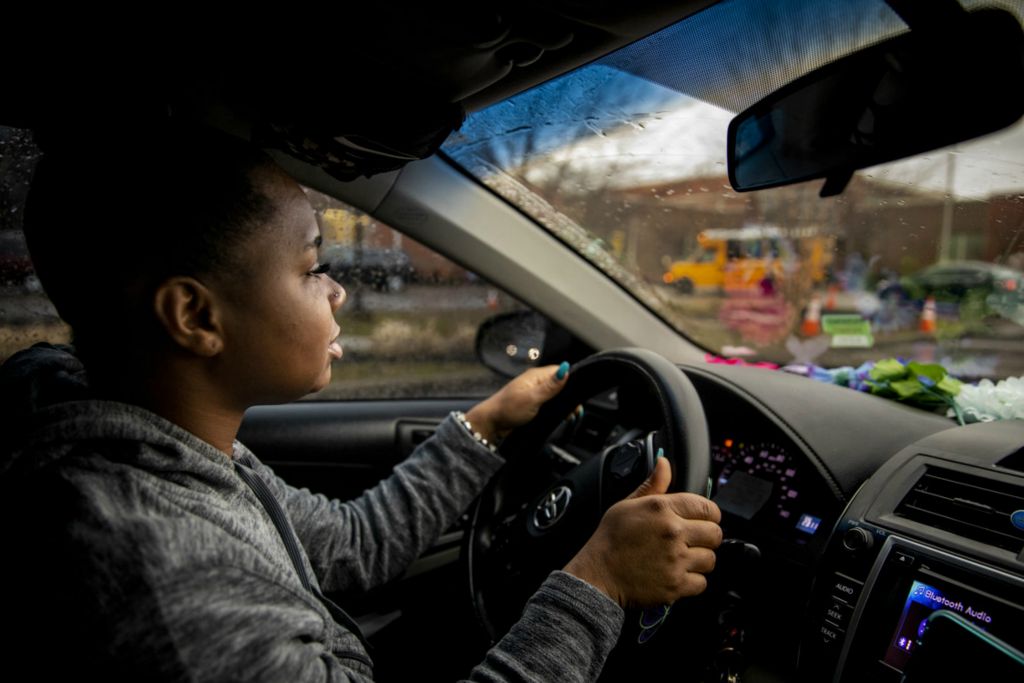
pixel 259 66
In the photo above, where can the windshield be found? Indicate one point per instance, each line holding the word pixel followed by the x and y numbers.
pixel 624 160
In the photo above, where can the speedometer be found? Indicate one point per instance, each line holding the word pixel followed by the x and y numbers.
pixel 761 478
pixel 770 463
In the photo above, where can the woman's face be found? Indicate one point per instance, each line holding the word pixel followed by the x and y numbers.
pixel 280 335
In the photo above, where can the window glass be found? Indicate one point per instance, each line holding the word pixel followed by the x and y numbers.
pixel 26 315
pixel 631 149
pixel 409 323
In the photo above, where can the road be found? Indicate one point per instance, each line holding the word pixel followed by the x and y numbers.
pixel 431 298
pixel 995 350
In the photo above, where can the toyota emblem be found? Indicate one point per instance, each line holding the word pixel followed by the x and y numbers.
pixel 552 507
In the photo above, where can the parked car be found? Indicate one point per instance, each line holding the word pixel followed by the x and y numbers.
pixel 388 270
pixel 954 281
pixel 866 538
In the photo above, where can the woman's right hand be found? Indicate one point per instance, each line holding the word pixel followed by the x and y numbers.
pixel 653 547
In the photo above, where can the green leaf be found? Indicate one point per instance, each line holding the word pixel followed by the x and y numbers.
pixel 879 388
pixel 950 385
pixel 888 369
pixel 907 388
pixel 932 371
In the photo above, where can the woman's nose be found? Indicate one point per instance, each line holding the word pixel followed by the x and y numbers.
pixel 337 296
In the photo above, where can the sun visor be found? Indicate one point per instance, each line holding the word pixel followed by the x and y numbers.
pixel 383 136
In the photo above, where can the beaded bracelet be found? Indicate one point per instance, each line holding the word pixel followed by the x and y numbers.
pixel 460 417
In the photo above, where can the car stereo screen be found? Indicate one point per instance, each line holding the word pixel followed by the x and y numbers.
pixel 924 598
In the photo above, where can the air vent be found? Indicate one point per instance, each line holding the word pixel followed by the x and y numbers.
pixel 966 505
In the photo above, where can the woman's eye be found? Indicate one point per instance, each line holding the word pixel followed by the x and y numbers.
pixel 320 269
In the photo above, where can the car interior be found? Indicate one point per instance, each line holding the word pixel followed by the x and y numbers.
pixel 865 539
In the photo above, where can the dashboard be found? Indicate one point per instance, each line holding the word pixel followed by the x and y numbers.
pixel 908 563
pixel 925 570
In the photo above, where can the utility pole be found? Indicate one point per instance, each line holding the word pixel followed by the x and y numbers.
pixel 946 235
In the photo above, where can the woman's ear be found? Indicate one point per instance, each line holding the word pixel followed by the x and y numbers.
pixel 189 313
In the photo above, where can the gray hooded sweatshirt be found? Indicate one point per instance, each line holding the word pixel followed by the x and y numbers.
pixel 138 552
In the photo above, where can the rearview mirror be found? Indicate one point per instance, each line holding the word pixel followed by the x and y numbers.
pixel 929 88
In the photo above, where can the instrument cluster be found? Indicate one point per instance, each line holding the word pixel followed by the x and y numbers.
pixel 766 482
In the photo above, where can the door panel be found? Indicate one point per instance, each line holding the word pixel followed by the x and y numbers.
pixel 341 448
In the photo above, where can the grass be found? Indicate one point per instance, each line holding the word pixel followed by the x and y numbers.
pixel 408 379
pixel 18 337
pixel 363 323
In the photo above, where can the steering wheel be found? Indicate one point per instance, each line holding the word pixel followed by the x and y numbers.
pixel 548 499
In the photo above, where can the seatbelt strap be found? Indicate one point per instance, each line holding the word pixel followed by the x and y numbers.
pixel 291 544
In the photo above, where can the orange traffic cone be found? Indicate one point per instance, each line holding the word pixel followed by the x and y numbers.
pixel 811 325
pixel 927 323
pixel 830 302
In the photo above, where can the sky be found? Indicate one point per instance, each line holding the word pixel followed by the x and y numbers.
pixel 675 137
pixel 623 122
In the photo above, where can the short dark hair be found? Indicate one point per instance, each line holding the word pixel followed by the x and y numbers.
pixel 106 221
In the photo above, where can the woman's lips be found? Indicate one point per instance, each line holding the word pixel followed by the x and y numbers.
pixel 334 348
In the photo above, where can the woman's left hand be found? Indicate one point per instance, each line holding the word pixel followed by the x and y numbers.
pixel 517 402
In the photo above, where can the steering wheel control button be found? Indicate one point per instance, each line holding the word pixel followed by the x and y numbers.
pixel 625 460
pixel 626 466
pixel 552 507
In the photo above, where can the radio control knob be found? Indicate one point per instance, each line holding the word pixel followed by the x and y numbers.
pixel 857 539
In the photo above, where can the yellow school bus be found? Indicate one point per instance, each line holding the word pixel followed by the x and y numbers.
pixel 749 258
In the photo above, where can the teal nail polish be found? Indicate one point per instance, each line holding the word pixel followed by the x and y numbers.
pixel 661 452
pixel 563 370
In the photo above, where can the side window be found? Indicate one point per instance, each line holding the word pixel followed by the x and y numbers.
pixel 410 320
pixel 409 324
pixel 26 315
